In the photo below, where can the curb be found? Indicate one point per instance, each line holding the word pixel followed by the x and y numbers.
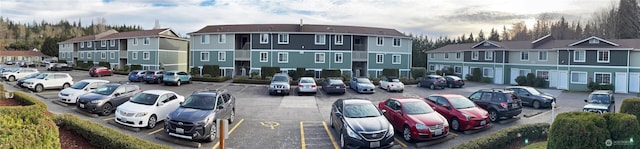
pixel 476 131
pixel 509 120
pixel 60 103
pixel 86 113
pixel 114 123
pixel 167 138
pixel 451 136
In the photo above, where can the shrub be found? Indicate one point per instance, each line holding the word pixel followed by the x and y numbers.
pixel 254 74
pixel 125 68
pixel 506 136
pixel 390 72
pixel 62 61
pixel 27 126
pixel 309 73
pixel 596 86
pixel 531 78
pixel 622 126
pixel 300 71
pixel 486 80
pixel 2 92
pixel 269 71
pixel 438 72
pixel 195 71
pixel 631 106
pixel 104 64
pixel 346 76
pixel 80 63
pixel 250 81
pixel 213 70
pixel 468 77
pixel 476 74
pixel 136 67
pixel 407 81
pixel 447 71
pixel 567 127
pixel 540 82
pixel 330 73
pixel 293 74
pixel 209 78
pixel 90 64
pixel 418 72
pixel 375 81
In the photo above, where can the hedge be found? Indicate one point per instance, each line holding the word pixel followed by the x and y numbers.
pixel 104 64
pixel 195 71
pixel 136 67
pixel 250 81
pixel 622 126
pixel 213 70
pixel 121 72
pixel 80 63
pixel 631 106
pixel 506 136
pixel 26 126
pixel 62 61
pixel 102 136
pixel 389 72
pixel 210 79
pixel 328 73
pixel 418 72
pixel 2 92
pixel 89 64
pixel 268 71
pixel 578 130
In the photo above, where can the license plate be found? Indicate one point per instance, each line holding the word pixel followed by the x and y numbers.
pixel 438 132
pixel 279 91
pixel 514 105
pixel 483 122
pixel 374 144
pixel 179 130
pixel 337 86
pixel 123 119
pixel 81 105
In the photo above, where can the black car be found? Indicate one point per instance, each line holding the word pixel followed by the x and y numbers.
pixel 359 124
pixel 104 99
pixel 61 67
pixel 532 96
pixel 600 102
pixel 500 103
pixel 454 81
pixel 334 85
pixel 21 80
pixel 195 119
pixel 153 76
pixel 433 82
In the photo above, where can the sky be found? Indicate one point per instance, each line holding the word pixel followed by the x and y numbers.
pixel 418 17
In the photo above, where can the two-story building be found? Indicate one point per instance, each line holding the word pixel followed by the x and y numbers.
pixel 153 49
pixel 566 64
pixel 242 49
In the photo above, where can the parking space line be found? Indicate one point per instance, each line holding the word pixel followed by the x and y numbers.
pixel 304 146
pixel 543 113
pixel 400 142
pixel 245 87
pixel 111 118
pixel 333 141
pixel 230 131
pixel 155 131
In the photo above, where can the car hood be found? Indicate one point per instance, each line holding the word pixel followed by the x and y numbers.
pixel 189 114
pixel 368 124
pixel 475 112
pixel 279 83
pixel 32 80
pixel 547 96
pixel 429 119
pixel 71 91
pixel 91 97
pixel 596 106
pixel 135 107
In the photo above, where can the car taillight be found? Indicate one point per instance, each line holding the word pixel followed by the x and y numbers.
pixel 313 86
pixel 344 86
pixel 504 104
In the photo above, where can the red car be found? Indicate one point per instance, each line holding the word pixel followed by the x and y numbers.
pixel 100 71
pixel 461 112
pixel 414 118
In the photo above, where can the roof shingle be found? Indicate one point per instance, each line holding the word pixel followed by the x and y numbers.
pixel 308 28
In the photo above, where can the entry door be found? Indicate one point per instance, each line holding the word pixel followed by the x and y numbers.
pixel 499 76
pixel 563 81
pixel 553 78
pixel 621 82
pixel 465 71
pixel 514 74
pixel 634 82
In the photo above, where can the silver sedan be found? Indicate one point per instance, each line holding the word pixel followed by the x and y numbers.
pixel 307 85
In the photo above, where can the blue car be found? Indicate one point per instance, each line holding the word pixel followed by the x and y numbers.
pixel 136 75
pixel 362 85
pixel 176 77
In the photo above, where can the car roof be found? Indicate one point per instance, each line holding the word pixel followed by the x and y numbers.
pixel 406 99
pixel 93 80
pixel 434 75
pixel 446 95
pixel 157 92
pixel 519 87
pixel 174 71
pixel 602 92
pixel 501 90
pixel 355 100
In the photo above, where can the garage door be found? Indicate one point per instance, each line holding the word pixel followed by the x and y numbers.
pixel 621 82
pixel 553 78
pixel 634 82
pixel 563 79
pixel 465 71
pixel 499 76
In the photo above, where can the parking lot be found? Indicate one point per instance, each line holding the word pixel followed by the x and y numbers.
pixel 264 121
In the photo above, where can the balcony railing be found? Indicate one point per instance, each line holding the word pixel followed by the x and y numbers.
pixel 123 54
pixel 244 55
pixel 359 55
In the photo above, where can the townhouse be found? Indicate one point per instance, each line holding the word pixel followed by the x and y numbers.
pixel 242 49
pixel 565 64
pixel 153 49
pixel 14 56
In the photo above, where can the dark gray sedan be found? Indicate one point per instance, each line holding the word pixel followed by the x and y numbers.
pixel 333 85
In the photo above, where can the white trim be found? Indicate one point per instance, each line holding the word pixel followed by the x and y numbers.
pixel 399 59
pixel 103 55
pixel 608 56
pixel 160 50
pixel 394 42
pixel 546 56
pixel 593 37
pixel 584 58
pixel 283 38
pixel 180 64
pixel 222 56
pixel 446 55
pixel 112 55
pixel 89 55
pixel 264 36
pixel 208 56
pixel 341 39
pixel 476 54
pixel 379 41
pixel 379 57
pixel 548 73
pixel 522 56
pixel 491 70
pixel 485 41
pixel 204 39
pixel 316 60
pixel 306 33
pixel 222 38
pixel 286 57
pixel 90 44
pixel 112 43
pixel 486 55
pixel 454 69
pixel 144 41
pixel 213 50
pixel 546 65
pixel 266 57
pixel 134 41
pixel 525 74
pixel 103 43
pixel 609 73
pixel 541 38
pixel 459 55
pixel 148 57
pixel 335 58
pixel 578 72
pixel 320 39
pixel 388 52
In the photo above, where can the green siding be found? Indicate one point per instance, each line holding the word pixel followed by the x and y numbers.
pixel 590 74
pixel 404 61
pixel 140 60
pixel 213 59
pixel 305 59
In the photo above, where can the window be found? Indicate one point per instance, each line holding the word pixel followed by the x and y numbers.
pixel 112 55
pixel 338 58
pixel 204 56
pixel 222 38
pixel 380 41
pixel 264 57
pixel 396 42
pixel 524 56
pixel 134 55
pixel 89 44
pixel 319 58
pixel 112 43
pixel 475 55
pixel 379 58
pixel 62 55
pixel 543 74
pixel 339 39
pixel 524 72
pixel 81 54
pixel 82 44
pixel 578 56
pixel 432 56
pixel 578 77
pixel 264 38
pixel 146 41
pixel 135 41
pixel 204 39
pixel 283 38
pixel 89 55
pixel 542 55
pixel 458 55
pixel 594 41
pixel 603 56
pixel 145 55
pixel 457 69
pixel 602 78
pixel 103 43
pixel 283 57
pixel 488 55
pixel 432 68
pixel 396 59
pixel 103 55
pixel 446 55
pixel 487 72
pixel 222 56
pixel 320 39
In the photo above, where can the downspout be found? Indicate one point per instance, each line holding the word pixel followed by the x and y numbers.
pixel 569 68
pixel 503 70
pixel 271 52
pixel 557 67
pixel 158 54
pixel 330 53
pixel 628 65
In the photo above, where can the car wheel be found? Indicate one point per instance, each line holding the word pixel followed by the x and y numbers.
pixel 106 109
pixel 232 117
pixel 342 144
pixel 455 124
pixel 432 87
pixel 39 88
pixel 212 133
pixel 536 104
pixel 146 82
pixel 493 115
pixel 406 134
pixel 12 78
pixel 66 85
pixel 152 122
pixel 178 83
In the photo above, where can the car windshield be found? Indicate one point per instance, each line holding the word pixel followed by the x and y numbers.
pixel 599 98
pixel 150 73
pixel 199 102
pixel 336 82
pixel 169 73
pixel 144 98
pixel 360 110
pixel 80 85
pixel 133 73
pixel 280 79
pixel 307 80
pixel 395 80
pixel 15 70
pixel 455 77
pixel 42 76
pixel 364 81
pixel 460 102
pixel 33 75
pixel 415 108
pixel 105 89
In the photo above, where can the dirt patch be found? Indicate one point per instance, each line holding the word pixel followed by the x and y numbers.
pixel 68 139
pixel 9 102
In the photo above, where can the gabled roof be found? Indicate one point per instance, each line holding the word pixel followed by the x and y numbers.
pixel 304 28
pixel 22 53
pixel 485 41
pixel 113 34
pixel 547 43
pixel 593 37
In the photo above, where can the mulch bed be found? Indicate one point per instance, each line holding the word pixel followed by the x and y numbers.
pixel 9 102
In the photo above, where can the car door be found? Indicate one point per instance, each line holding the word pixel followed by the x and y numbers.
pixel 352 83
pixel 485 99
pixel 396 114
pixel 338 121
pixel 119 96
pixel 384 83
pixel 445 106
pixel 50 81
pixel 163 106
pixel 524 95
pixel 227 105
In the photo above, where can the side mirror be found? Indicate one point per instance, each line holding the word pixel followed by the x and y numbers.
pixel 384 111
pixel 613 101
pixel 181 103
pixel 160 104
pixel 220 107
pixel 116 94
pixel 339 114
pixel 527 94
pixel 586 100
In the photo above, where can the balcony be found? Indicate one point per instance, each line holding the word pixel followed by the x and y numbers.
pixel 123 54
pixel 242 55
pixel 359 56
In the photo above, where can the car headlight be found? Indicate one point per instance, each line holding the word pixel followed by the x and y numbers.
pixel 352 134
pixel 141 114
pixel 420 126
pixel 97 101
pixel 466 116
pixel 390 131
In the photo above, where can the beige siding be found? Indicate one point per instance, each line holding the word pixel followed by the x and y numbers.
pixel 153 44
pixel 552 58
pixel 634 60
pixel 173 44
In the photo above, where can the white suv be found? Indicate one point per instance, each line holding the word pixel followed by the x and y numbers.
pixel 18 73
pixel 70 95
pixel 49 81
